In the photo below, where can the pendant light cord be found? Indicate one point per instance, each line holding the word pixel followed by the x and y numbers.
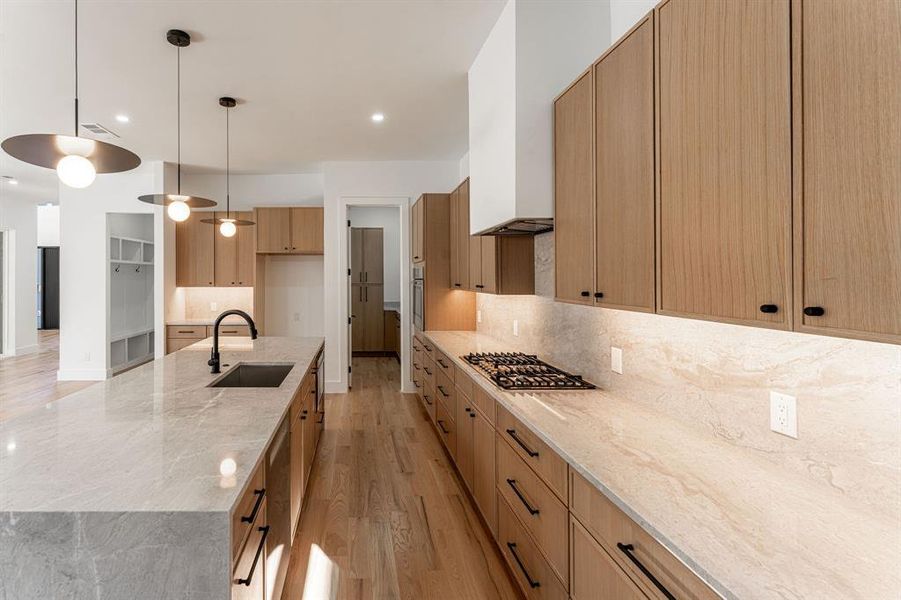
pixel 178 112
pixel 76 68
pixel 227 168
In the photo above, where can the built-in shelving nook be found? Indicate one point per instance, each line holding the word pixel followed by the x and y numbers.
pixel 130 286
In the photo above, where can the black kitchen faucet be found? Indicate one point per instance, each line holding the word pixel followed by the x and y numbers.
pixel 214 354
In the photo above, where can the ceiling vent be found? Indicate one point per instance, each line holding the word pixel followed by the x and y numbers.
pixel 99 130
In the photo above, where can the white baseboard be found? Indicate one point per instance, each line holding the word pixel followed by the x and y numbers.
pixel 81 375
pixel 335 387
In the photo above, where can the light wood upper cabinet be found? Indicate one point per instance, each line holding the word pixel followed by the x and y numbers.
pixel 624 199
pixel 417 231
pixel 724 204
pixel 194 252
pixel 573 192
pixel 273 230
pixel 459 237
pixel 847 152
pixel 234 256
pixel 307 230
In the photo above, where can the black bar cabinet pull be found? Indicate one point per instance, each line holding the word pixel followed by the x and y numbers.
pixel 586 293
pixel 457 285
pixel 522 567
pixel 627 549
pixel 441 362
pixel 769 308
pixel 256 558
pixel 478 286
pixel 522 444
pixel 532 510
pixel 441 426
pixel 599 294
pixel 256 506
pixel 443 393
pixel 426 398
pixel 416 383
pixel 814 311
pixel 427 372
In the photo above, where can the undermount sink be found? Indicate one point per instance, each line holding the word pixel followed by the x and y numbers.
pixel 254 375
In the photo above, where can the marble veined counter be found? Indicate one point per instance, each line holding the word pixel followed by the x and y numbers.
pixel 749 528
pixel 126 484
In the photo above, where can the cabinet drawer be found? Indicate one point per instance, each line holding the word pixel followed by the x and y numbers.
pixel 428 371
pixel 538 509
pixel 245 513
pixel 230 331
pixel 418 377
pixel 248 576
pixel 444 363
pixel 594 573
pixel 444 390
pixel 485 403
pixel 532 572
pixel 465 385
pixel 416 343
pixel 538 455
pixel 197 332
pixel 430 401
pixel 173 344
pixel 305 390
pixel 610 526
pixel 446 429
pixel 428 347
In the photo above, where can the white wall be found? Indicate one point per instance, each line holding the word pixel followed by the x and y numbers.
pixel 295 303
pixel 364 183
pixel 19 219
pixel 387 219
pixel 464 166
pixel 625 13
pixel 247 191
pixel 83 265
pixel 48 225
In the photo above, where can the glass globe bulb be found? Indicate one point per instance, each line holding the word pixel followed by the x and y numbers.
pixel 227 228
pixel 76 171
pixel 178 211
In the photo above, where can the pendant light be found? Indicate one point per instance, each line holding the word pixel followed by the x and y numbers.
pixel 227 226
pixel 178 206
pixel 77 160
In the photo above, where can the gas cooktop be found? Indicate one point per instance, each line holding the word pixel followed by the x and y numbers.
pixel 518 371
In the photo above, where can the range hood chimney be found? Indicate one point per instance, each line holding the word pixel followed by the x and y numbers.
pixel 536 48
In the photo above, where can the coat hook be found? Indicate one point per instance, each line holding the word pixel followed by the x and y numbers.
pixel 117 268
pixel 137 269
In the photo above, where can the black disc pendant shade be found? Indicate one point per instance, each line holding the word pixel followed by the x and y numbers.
pixel 47 149
pixel 228 103
pixel 180 39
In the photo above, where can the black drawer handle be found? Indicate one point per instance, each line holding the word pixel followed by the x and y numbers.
pixel 441 362
pixel 599 294
pixel 456 285
pixel 303 415
pixel 814 311
pixel 769 308
pixel 188 331
pixel 443 393
pixel 256 506
pixel 416 383
pixel 427 347
pixel 522 567
pixel 627 549
pixel 416 366
pixel 479 286
pixel 441 427
pixel 532 510
pixel 229 331
pixel 427 372
pixel 256 558
pixel 426 398
pixel 522 444
pixel 586 293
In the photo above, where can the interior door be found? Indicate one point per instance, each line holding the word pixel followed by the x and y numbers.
pixel 351 310
pixel 50 288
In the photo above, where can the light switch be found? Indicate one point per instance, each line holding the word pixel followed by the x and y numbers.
pixel 515 327
pixel 478 316
pixel 214 306
pixel 616 359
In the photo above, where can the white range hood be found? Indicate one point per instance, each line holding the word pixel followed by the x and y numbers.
pixel 535 49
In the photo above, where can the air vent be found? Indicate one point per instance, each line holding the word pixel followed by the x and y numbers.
pixel 98 129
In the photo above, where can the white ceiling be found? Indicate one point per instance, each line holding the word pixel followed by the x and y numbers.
pixel 307 74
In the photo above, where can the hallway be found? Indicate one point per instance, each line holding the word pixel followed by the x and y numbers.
pixel 387 506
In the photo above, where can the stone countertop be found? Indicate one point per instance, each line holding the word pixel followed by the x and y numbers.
pixel 230 320
pixel 746 526
pixel 153 438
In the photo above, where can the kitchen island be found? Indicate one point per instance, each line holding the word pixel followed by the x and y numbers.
pixel 127 488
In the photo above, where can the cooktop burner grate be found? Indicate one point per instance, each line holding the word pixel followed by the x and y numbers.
pixel 518 371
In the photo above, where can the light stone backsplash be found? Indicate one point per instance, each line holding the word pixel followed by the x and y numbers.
pixel 718 376
pixel 197 301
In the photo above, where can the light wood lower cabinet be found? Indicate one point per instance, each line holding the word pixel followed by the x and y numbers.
pixel 484 468
pixel 447 429
pixel 594 574
pixel 248 578
pixel 546 463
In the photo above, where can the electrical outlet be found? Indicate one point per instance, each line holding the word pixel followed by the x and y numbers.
pixel 616 359
pixel 478 316
pixel 784 414
pixel 515 328
pixel 296 317
pixel 214 306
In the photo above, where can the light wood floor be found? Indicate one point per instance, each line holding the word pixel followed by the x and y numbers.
pixel 387 506
pixel 28 382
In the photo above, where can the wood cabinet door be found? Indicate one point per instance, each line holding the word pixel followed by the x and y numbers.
pixel 475 263
pixel 246 255
pixel 195 252
pixel 484 469
pixel 245 570
pixel 358 314
pixel 724 168
pixel 373 255
pixel 455 275
pixel 488 263
pixel 226 255
pixel 574 192
pixel 624 150
pixel 308 419
pixel 418 227
pixel 390 331
pixel 465 417
pixel 463 236
pixel 848 152
pixel 273 230
pixel 307 230
pixel 594 574
pixel 373 318
pixel 356 255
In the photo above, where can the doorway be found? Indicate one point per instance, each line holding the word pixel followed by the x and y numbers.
pixel 48 287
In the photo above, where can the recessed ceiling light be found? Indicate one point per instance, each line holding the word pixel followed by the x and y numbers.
pixel 122 118
pixel 377 117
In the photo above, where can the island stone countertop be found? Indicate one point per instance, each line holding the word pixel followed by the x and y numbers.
pixel 747 527
pixel 130 482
